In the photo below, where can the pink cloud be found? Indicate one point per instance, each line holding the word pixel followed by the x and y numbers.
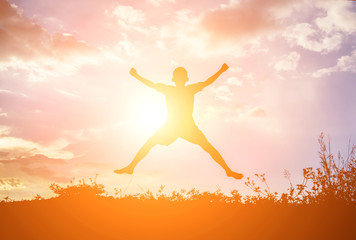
pixel 46 173
pixel 25 45
pixel 344 64
pixel 288 62
pixel 245 18
pixel 36 159
pixel 10 183
pixel 51 169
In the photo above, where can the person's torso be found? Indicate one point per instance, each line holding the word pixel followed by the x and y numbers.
pixel 180 104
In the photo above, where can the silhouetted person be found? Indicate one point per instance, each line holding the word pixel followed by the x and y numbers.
pixel 180 122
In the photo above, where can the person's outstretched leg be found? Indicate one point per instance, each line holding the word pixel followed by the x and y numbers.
pixel 194 135
pixel 219 159
pixel 145 149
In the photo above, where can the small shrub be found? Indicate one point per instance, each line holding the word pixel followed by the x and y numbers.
pixel 79 189
pixel 334 180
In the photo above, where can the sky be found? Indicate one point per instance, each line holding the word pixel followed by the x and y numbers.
pixel 69 108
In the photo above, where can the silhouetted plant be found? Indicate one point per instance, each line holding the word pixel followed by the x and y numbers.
pixel 178 196
pixel 236 197
pixel 296 194
pixel 6 199
pixel 263 193
pixel 184 195
pixel 336 177
pixel 79 189
pixel 118 192
pixel 38 197
pixel 334 180
pixel 196 195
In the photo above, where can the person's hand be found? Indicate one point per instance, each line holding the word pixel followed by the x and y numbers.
pixel 224 67
pixel 133 72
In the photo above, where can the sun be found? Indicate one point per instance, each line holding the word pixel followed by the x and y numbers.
pixel 147 113
pixel 151 115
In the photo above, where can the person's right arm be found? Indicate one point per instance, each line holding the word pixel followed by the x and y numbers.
pixel 200 85
pixel 142 79
pixel 212 79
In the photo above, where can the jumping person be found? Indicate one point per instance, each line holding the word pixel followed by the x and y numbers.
pixel 180 122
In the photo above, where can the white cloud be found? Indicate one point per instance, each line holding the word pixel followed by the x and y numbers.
pixel 43 67
pixel 2 113
pixel 4 130
pixel 10 183
pixel 126 48
pixel 5 91
pixel 66 93
pixel 235 69
pixel 245 112
pixel 234 113
pixel 288 62
pixel 338 16
pixel 158 3
pixel 334 21
pixel 222 92
pixel 213 112
pixel 161 45
pixel 234 81
pixel 18 147
pixel 129 18
pixel 311 38
pixel 344 64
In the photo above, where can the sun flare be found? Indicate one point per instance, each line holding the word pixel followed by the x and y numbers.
pixel 151 115
pixel 147 114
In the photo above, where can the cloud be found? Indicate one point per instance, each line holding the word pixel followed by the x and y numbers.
pixel 2 114
pixel 234 113
pixel 246 18
pixel 222 92
pixel 344 64
pixel 18 147
pixel 129 18
pixel 10 183
pixel 335 21
pixel 35 159
pixel 46 173
pixel 234 81
pixel 4 130
pixel 8 92
pixel 53 169
pixel 25 45
pixel 213 112
pixel 288 62
pixel 243 112
pixel 338 16
pixel 256 112
pixel 311 38
pixel 158 3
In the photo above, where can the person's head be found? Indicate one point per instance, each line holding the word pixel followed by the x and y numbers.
pixel 180 76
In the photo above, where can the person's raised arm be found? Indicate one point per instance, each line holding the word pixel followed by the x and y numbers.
pixel 212 79
pixel 141 79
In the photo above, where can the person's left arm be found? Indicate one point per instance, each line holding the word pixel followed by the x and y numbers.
pixel 212 79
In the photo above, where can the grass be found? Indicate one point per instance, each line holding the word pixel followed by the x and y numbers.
pixel 322 206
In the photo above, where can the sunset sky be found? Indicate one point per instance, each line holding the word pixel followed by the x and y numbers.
pixel 69 108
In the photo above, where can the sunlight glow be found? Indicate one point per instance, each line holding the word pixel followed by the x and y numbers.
pixel 151 115
pixel 147 114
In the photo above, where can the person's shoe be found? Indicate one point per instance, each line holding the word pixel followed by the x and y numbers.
pixel 234 175
pixel 127 170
